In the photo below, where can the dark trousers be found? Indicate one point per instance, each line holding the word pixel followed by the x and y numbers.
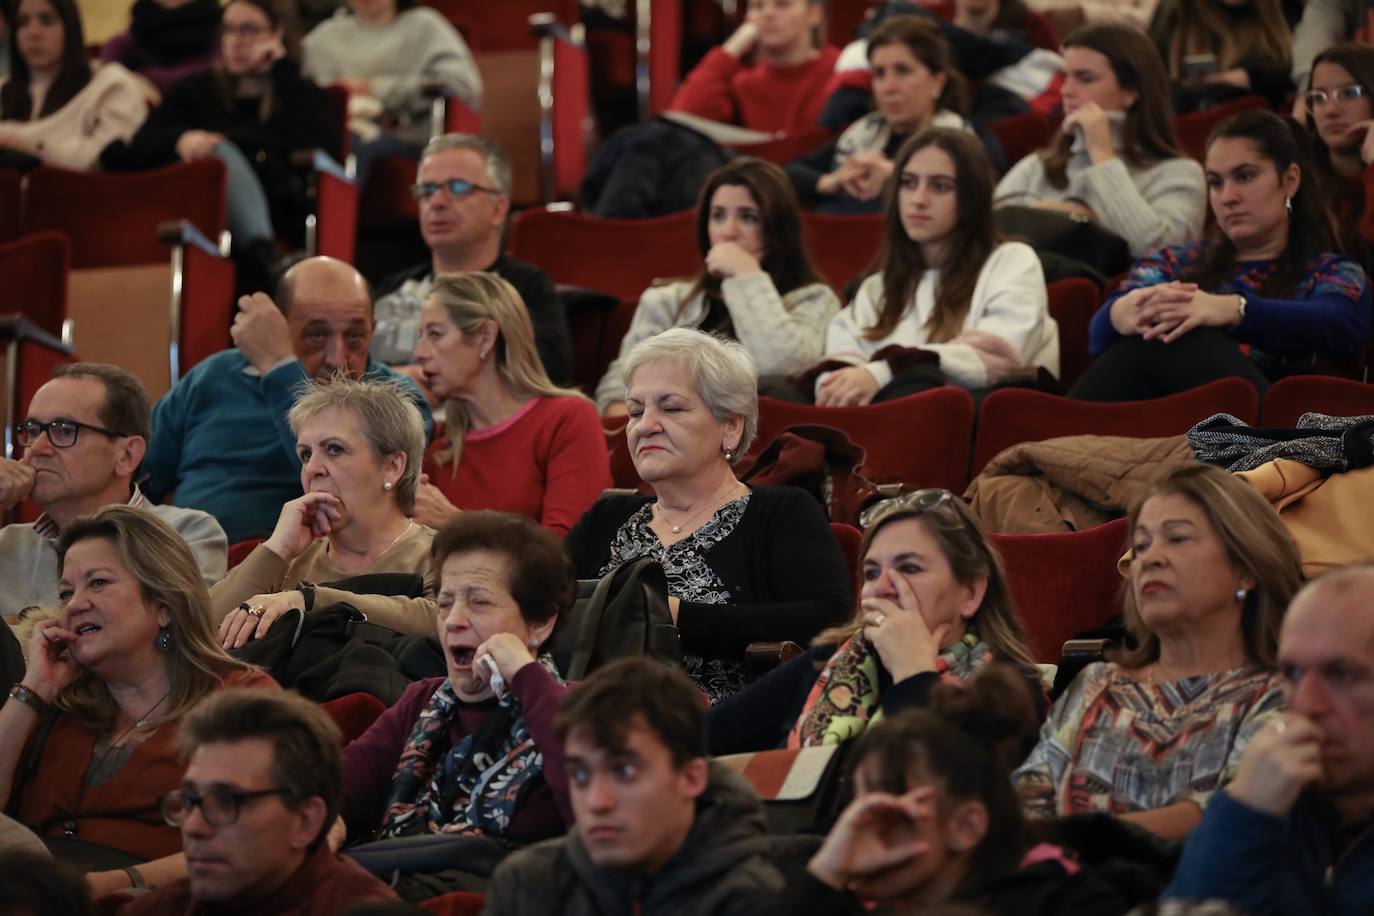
pixel 1135 369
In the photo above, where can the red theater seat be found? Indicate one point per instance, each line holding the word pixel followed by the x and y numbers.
pixel 34 269
pixel 1296 395
pixel 842 247
pixel 1193 129
pixel 9 204
pixel 1072 304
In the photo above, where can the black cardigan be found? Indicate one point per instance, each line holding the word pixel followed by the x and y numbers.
pixel 781 564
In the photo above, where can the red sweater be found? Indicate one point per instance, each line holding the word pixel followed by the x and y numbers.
pixel 760 97
pixel 550 462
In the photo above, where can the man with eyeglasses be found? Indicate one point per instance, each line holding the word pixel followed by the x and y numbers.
pixel 220 437
pixel 83 441
pixel 262 786
pixel 463 191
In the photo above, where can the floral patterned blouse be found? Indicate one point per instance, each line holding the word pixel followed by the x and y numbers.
pixel 1116 744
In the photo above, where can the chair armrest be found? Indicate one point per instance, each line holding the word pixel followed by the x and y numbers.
pixel 320 162
pixel 184 232
pixel 765 655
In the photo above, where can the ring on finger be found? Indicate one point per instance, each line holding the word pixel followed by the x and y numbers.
pixel 256 610
pixel 878 618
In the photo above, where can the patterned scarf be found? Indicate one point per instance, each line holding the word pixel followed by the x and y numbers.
pixel 846 697
pixel 471 787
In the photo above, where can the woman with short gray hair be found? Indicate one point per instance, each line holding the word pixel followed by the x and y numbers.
pixel 744 564
pixel 360 445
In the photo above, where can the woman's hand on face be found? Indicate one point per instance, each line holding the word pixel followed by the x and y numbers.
pixel 194 145
pixel 269 50
pixel 728 259
pixel 1138 311
pixel 50 666
pixel 1093 123
pixel 507 651
pixel 1173 319
pixel 898 631
pixel 432 507
pixel 874 835
pixel 742 41
pixel 239 625
pixel 302 521
pixel 1360 133
pixel 852 385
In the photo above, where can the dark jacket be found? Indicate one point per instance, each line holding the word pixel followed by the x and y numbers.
pixel 1307 863
pixel 721 868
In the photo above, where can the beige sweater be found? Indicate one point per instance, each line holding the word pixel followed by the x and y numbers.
pixel 263 572
pixel 112 106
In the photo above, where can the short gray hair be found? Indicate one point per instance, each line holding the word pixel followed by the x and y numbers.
pixel 724 372
pixel 390 420
pixel 493 157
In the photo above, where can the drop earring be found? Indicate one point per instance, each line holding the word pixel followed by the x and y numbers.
pixel 164 640
pixel 1288 205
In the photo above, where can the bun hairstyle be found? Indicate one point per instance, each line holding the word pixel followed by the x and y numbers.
pixel 965 745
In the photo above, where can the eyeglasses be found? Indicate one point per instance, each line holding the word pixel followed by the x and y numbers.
pixel 457 187
pixel 219 805
pixel 1320 98
pixel 916 501
pixel 247 30
pixel 61 432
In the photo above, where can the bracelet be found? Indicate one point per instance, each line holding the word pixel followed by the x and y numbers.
pixel 31 700
pixel 136 878
pixel 1240 308
pixel 307 590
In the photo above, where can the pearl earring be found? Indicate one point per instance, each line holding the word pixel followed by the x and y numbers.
pixel 1240 595
pixel 482 354
pixel 387 485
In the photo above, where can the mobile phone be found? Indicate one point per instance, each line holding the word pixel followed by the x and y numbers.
pixel 1196 66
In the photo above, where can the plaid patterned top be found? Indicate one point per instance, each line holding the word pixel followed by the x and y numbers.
pixel 1116 744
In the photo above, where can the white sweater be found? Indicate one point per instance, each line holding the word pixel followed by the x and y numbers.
pixel 1009 301
pixel 112 106
pixel 783 334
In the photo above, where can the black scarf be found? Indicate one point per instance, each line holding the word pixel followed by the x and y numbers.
pixel 167 36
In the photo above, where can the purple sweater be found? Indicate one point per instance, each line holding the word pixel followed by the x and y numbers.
pixel 163 76
pixel 369 762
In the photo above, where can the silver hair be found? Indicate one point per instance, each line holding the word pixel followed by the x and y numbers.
pixel 724 372
pixel 494 158
pixel 389 419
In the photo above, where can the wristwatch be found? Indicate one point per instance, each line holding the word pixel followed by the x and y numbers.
pixel 31 700
pixel 1240 308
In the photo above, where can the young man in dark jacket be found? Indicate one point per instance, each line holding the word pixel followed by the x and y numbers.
pixel 660 830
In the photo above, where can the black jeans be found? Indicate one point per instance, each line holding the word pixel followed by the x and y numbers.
pixel 1135 369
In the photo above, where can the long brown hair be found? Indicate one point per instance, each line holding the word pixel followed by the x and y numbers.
pixel 1257 544
pixel 922 37
pixel 73 73
pixel 1148 134
pixel 1358 61
pixel 969 243
pixel 1203 27
pixel 281 14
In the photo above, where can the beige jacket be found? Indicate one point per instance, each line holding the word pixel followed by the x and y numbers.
pixel 1328 517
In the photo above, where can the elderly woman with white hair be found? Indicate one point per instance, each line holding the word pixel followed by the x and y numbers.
pixel 744 564
pixel 360 445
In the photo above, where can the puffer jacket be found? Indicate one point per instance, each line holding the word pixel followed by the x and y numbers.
pixel 721 868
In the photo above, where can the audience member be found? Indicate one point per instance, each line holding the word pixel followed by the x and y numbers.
pixel 167 40
pixel 1215 50
pixel 1116 161
pixel 36 884
pixel 1290 833
pixel 389 55
pixel 220 437
pixel 743 564
pixel 252 111
pixel 934 608
pixel 475 752
pixel 770 75
pixel 55 108
pixel 130 652
pixel 1267 278
pixel 660 828
pixel 261 789
pixel 1325 23
pixel 1130 12
pixel 512 440
pixel 1338 107
pixel 756 284
pixel 463 190
pixel 83 440
pixel 935 819
pixel 1151 736
pixel 360 445
pixel 915 85
pixel 947 285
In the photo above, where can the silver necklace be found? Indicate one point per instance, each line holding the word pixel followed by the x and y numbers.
pixel 677 529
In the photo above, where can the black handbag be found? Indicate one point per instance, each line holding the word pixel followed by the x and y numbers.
pixel 1067 236
pixel 625 612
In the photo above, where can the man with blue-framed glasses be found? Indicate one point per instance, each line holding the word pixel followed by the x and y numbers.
pixel 462 190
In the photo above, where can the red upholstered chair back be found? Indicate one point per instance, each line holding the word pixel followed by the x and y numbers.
pixel 10 181
pixel 34 269
pixel 1194 128
pixel 850 539
pixel 1072 304
pixel 842 247
pixel 921 440
pixel 238 552
pixel 623 473
pixel 1063 584
pixel 354 713
pixel 456 903
pixel 1296 395
pixel 1015 415
pixel 112 219
pixel 1022 134
pixel 617 256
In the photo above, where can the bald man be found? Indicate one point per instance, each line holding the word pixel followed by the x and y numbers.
pixel 220 439
pixel 1294 831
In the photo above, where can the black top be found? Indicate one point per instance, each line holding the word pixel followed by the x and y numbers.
pixel 551 336
pixel 782 565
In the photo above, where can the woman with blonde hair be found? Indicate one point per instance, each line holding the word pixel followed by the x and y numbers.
pixel 512 441
pixel 130 651
pixel 1151 735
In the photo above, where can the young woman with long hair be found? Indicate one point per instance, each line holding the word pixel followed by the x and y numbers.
pixel 946 283
pixel 1242 46
pixel 1338 109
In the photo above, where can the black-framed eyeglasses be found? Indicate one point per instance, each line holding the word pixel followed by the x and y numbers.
pixel 219 805
pixel 1320 98
pixel 915 501
pixel 61 432
pixel 457 187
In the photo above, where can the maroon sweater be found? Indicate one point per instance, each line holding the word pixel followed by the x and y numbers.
pixel 369 762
